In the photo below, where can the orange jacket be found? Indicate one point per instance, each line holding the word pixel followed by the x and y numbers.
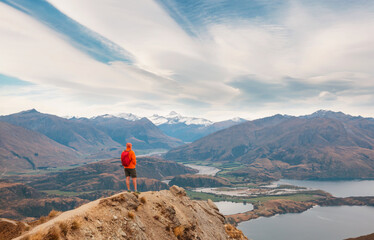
pixel 132 158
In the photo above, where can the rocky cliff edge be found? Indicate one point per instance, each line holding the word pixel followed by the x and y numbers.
pixel 166 214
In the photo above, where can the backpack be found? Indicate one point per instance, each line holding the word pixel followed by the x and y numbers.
pixel 125 158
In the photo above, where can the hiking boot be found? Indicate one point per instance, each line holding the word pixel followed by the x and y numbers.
pixel 129 191
pixel 137 192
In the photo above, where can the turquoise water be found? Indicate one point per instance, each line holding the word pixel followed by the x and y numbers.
pixel 325 223
pixel 336 188
pixel 227 208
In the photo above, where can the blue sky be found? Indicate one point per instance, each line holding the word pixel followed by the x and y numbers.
pixel 216 59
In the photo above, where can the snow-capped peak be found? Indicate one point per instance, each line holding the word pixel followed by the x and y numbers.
pixel 237 119
pixel 103 116
pixel 128 116
pixel 175 118
pixel 173 113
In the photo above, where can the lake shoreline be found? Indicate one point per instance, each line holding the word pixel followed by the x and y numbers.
pixel 282 206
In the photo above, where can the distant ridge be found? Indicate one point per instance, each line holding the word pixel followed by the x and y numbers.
pixel 142 133
pixel 322 145
pixel 78 136
pixel 189 129
pixel 23 149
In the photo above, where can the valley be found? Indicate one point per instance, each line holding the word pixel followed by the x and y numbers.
pixel 241 163
pixel 324 145
pixel 64 190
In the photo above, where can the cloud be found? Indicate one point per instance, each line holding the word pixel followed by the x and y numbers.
pixel 256 91
pixel 207 57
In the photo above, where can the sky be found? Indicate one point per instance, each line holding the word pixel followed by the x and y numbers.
pixel 216 59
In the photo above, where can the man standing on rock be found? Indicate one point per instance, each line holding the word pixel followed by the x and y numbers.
pixel 128 160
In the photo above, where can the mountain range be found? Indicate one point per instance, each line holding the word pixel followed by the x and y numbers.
pixel 31 140
pixel 81 137
pixel 323 145
pixel 187 129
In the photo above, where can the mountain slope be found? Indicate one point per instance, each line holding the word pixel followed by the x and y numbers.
pixel 19 201
pixel 142 133
pixel 167 214
pixel 109 175
pixel 23 149
pixel 317 146
pixel 78 136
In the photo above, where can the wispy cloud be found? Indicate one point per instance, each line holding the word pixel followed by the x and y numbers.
pixel 246 58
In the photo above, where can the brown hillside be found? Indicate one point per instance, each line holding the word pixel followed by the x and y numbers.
pixel 10 229
pixel 366 237
pixel 319 147
pixel 81 137
pixel 109 175
pixel 23 149
pixel 150 215
pixel 19 201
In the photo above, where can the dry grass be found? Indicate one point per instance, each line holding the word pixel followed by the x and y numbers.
pixel 64 228
pixel 36 236
pixel 42 219
pixel 178 231
pixel 54 233
pixel 233 232
pixel 76 224
pixel 168 228
pixel 156 217
pixel 143 200
pixel 54 213
pixel 131 214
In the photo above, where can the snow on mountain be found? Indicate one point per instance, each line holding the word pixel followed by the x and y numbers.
pixel 175 118
pixel 327 114
pixel 129 116
pixel 157 119
pixel 238 119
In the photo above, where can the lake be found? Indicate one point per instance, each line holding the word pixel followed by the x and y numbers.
pixel 227 208
pixel 336 188
pixel 204 170
pixel 316 223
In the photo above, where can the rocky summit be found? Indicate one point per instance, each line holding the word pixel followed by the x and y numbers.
pixel 166 214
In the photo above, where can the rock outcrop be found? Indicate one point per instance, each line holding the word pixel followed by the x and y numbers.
pixel 166 214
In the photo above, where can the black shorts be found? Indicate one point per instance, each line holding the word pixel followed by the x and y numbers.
pixel 130 172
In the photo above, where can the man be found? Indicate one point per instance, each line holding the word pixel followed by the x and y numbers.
pixel 128 159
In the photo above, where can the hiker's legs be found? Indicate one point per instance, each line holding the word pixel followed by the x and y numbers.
pixel 134 182
pixel 128 183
